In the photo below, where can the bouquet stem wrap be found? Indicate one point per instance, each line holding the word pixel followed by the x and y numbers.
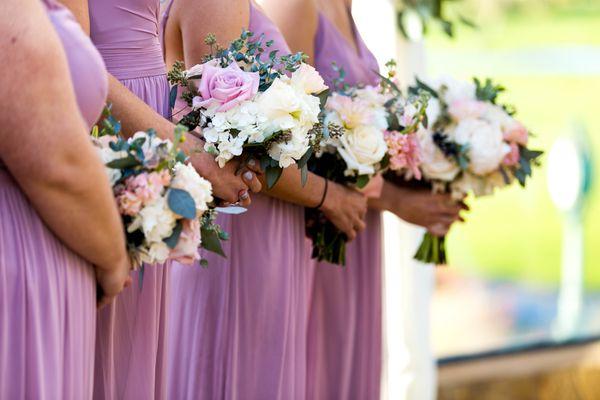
pixel 432 250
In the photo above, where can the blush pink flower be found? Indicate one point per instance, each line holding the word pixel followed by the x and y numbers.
pixel 186 251
pixel 225 88
pixel 148 186
pixel 464 109
pixel 512 158
pixel 129 203
pixel 515 132
pixel 405 152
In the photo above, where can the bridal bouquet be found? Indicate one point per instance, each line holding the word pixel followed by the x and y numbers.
pixel 357 123
pixel 164 203
pixel 246 104
pixel 469 143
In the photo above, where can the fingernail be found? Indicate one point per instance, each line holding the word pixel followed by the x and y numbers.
pixel 244 195
pixel 252 162
pixel 248 175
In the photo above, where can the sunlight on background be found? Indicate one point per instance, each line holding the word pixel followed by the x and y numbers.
pixel 505 269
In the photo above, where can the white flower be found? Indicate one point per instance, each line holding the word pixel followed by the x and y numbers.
pixel 433 111
pixel 107 155
pixel 435 164
pixel 156 221
pixel 480 186
pixel 186 178
pixel 157 252
pixel 454 89
pixel 306 79
pixel 286 108
pixel 362 149
pixel 288 152
pixel 486 147
pixel 375 102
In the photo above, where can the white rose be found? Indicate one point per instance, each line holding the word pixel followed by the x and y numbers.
pixel 157 252
pixel 362 148
pixel 280 104
pixel 435 164
pixel 186 178
pixel 486 146
pixel 307 80
pixel 375 101
pixel 156 221
pixel 456 90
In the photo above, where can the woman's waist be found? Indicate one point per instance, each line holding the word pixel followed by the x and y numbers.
pixel 133 59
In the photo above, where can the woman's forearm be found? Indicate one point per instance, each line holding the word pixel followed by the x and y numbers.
pixel 289 188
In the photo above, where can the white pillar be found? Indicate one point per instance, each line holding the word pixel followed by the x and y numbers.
pixel 409 370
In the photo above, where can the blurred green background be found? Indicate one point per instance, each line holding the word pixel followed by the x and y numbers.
pixel 547 54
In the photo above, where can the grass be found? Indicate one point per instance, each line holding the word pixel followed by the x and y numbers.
pixel 517 234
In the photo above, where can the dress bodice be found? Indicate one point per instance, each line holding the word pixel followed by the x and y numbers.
pixel 331 46
pixel 126 32
pixel 88 73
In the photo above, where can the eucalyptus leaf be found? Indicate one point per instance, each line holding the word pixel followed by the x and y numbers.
pixel 211 241
pixel 273 174
pixel 123 163
pixel 172 240
pixel 362 181
pixel 181 203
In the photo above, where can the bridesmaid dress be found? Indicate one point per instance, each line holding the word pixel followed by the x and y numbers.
pixel 240 326
pixel 131 333
pixel 47 292
pixel 345 331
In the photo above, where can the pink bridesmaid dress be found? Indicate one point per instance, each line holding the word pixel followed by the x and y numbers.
pixel 131 333
pixel 47 292
pixel 345 332
pixel 239 326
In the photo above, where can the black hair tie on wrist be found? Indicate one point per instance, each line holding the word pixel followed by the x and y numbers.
pixel 324 195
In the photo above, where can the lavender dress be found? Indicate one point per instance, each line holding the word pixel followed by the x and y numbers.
pixel 240 326
pixel 344 334
pixel 131 333
pixel 47 292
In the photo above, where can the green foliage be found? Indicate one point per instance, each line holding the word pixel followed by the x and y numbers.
pixel 181 203
pixel 428 12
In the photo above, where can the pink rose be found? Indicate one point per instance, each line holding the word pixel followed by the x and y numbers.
pixel 186 251
pixel 128 203
pixel 405 152
pixel 512 158
pixel 225 87
pixel 463 109
pixel 516 132
pixel 148 187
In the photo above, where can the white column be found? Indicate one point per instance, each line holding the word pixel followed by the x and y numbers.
pixel 409 365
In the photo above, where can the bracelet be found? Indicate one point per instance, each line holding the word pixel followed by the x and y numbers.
pixel 324 195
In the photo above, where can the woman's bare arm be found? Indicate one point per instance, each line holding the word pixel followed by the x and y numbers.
pixel 44 141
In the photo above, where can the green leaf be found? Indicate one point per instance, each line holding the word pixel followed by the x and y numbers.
pixel 211 242
pixel 273 174
pixel 423 86
pixel 172 240
pixel 362 181
pixel 304 159
pixel 181 203
pixel 323 97
pixel 304 174
pixel 173 96
pixel 122 163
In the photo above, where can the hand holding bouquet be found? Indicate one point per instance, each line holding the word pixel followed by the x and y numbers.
pixel 357 124
pixel 248 107
pixel 163 201
pixel 470 144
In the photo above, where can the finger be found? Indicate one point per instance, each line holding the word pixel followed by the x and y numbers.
pixel 104 301
pixel 464 206
pixel 360 225
pixel 254 166
pixel 128 282
pixel 252 181
pixel 351 235
pixel 244 198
